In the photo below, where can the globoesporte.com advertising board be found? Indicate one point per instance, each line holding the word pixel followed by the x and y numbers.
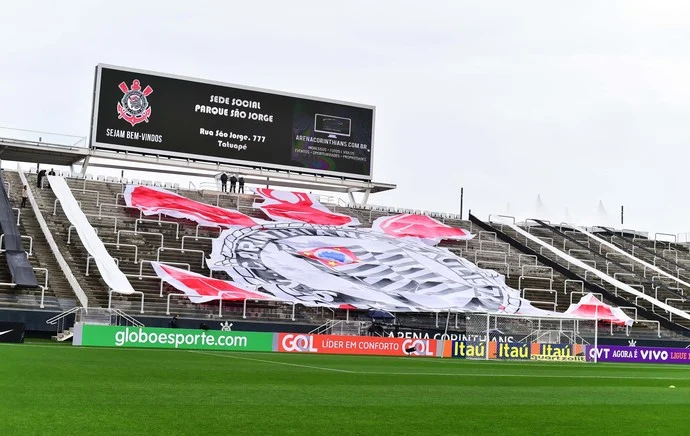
pixel 166 115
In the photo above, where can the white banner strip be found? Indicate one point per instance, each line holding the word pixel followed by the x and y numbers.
pixel 630 256
pixel 620 285
pixel 109 270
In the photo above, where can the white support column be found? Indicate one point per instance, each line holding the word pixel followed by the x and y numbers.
pixel 365 199
pixel 84 166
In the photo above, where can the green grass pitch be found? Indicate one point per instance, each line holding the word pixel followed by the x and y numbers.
pixel 66 390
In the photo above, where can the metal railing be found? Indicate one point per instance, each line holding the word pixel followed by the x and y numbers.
pixel 196 233
pixel 159 222
pixel 59 320
pixel 69 233
pixel 88 263
pixel 110 299
pixel 135 322
pixel 19 214
pixel 565 286
pixel 100 208
pixel 196 238
pixel 583 293
pixel 44 271
pixel 143 261
pixel 532 258
pixel 161 249
pixel 31 243
pixel 55 203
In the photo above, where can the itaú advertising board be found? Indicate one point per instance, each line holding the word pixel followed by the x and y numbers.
pixel 514 351
pixel 166 115
pixel 362 345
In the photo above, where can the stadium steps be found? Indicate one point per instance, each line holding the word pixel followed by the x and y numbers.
pixel 625 270
pixel 59 294
pixel 63 335
pixel 610 295
pixel 147 246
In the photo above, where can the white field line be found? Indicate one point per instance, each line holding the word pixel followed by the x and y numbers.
pixel 562 376
pixel 444 374
pixel 230 356
pixel 530 365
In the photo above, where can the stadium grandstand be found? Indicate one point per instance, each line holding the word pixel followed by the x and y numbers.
pixel 551 265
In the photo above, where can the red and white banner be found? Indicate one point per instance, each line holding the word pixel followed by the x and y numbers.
pixel 420 227
pixel 153 200
pixel 201 289
pixel 299 207
pixel 373 346
pixel 589 306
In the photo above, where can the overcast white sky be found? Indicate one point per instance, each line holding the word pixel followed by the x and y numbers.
pixel 578 102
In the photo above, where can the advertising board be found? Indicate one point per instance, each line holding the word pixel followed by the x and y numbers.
pixel 614 353
pixel 173 116
pixel 513 351
pixel 186 339
pixel 363 345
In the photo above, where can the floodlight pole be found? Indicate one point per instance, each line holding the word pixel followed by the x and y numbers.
pixel 488 327
pixel 596 330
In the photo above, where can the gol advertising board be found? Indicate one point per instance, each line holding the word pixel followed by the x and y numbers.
pixel 614 353
pixel 150 337
pixel 363 345
pixel 165 115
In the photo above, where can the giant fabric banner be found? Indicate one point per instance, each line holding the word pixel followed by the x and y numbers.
pixel 152 201
pixel 614 353
pixel 165 115
pixel 201 289
pixel 418 227
pixel 299 207
pixel 109 270
pixel 330 266
pixel 92 335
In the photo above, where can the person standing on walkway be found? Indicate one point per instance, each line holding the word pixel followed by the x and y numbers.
pixel 25 195
pixel 241 185
pixel 233 183
pixel 39 178
pixel 224 182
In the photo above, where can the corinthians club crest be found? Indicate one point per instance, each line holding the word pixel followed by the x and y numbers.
pixel 330 266
pixel 134 106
